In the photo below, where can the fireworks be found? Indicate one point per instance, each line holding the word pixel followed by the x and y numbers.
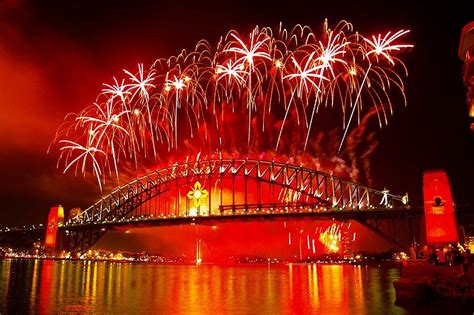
pixel 276 81
pixel 331 238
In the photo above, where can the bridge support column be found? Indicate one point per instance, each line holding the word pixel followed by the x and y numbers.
pixel 439 208
pixel 53 239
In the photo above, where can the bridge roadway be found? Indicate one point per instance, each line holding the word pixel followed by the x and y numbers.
pixel 241 215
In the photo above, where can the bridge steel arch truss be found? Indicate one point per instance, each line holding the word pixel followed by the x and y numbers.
pixel 235 187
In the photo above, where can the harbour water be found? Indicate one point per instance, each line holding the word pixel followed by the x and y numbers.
pixel 46 286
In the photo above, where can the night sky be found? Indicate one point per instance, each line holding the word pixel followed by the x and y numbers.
pixel 55 55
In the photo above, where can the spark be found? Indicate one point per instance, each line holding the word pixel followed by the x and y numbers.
pixel 354 106
pixel 248 55
pixel 231 71
pixel 141 83
pixel 307 75
pixel 329 55
pixel 383 45
pixel 256 49
pixel 85 153
pixel 117 90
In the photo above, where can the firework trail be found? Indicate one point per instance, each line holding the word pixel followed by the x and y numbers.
pixel 266 93
pixel 331 238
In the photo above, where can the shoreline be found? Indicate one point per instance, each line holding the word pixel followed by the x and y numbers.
pixel 123 261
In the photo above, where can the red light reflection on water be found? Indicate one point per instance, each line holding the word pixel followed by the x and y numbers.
pixel 140 288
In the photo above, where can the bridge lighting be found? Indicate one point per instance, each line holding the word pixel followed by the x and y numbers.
pixel 405 199
pixel 197 193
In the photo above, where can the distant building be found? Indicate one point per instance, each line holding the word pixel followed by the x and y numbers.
pixel 466 54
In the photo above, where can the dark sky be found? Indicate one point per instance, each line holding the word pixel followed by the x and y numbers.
pixel 55 55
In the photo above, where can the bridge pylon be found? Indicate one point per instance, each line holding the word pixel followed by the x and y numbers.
pixel 54 240
pixel 440 218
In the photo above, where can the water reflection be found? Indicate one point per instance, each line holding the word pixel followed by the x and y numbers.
pixel 59 286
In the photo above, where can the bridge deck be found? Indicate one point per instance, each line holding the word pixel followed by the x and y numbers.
pixel 243 217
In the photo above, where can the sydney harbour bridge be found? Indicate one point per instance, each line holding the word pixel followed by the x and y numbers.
pixel 212 191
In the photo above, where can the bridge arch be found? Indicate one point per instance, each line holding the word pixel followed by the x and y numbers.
pixel 299 186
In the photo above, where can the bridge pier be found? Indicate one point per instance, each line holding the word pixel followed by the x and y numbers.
pixel 54 239
pixel 440 218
